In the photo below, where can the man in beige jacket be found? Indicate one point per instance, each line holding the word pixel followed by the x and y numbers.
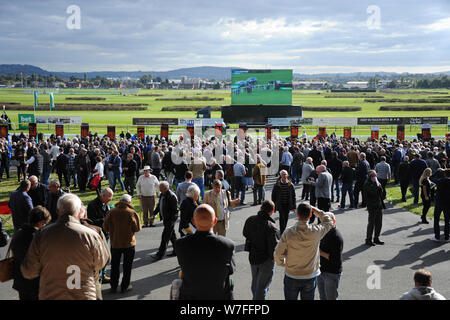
pixel 298 251
pixel 220 201
pixel 122 223
pixel 66 255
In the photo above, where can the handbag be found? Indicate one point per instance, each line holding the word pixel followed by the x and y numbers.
pixel 7 267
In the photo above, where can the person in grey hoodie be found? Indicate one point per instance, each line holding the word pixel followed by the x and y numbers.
pixel 422 290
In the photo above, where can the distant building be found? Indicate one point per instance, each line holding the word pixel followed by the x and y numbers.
pixel 315 85
pixel 356 85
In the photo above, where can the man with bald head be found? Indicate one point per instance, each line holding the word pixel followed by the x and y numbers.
pixel 206 259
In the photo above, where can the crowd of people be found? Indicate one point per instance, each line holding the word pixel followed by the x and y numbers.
pixel 198 181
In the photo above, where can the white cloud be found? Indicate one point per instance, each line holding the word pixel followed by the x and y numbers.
pixel 440 25
pixel 265 29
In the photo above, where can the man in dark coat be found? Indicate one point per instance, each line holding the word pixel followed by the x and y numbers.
pixel 20 204
pixel 361 176
pixel 83 168
pixel 53 196
pixel 46 164
pixel 416 168
pixel 262 237
pixel 404 177
pixel 35 163
pixel 206 260
pixel 168 211
pixel 374 199
pixel 28 289
pixel 62 169
pixel 283 195
pixel 38 192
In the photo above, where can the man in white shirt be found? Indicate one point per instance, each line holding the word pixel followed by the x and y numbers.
pixel 147 188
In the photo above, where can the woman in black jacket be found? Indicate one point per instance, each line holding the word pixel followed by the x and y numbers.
pixel 28 289
pixel 187 208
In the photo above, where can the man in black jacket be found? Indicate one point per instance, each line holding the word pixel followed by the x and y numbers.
pixel 206 260
pixel 262 237
pixel 62 169
pixel 374 196
pixel 416 168
pixel 54 193
pixel 283 195
pixel 404 177
pixel 96 213
pixel 129 168
pixel 347 177
pixel 38 192
pixel 331 247
pixel 168 211
pixel 83 168
pixel 335 166
pixel 361 176
pixel 28 289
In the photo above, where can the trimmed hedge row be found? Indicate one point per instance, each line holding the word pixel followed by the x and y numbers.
pixel 86 107
pixel 414 108
pixel 188 108
pixel 150 95
pixel 409 100
pixel 97 104
pixel 332 109
pixel 85 98
pixel 390 91
pixel 190 99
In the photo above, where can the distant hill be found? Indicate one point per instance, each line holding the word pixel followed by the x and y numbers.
pixel 216 73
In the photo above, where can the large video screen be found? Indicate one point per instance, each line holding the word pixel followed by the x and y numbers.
pixel 261 87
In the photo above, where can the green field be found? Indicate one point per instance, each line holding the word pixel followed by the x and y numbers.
pixel 123 119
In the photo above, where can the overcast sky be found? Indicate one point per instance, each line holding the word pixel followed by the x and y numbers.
pixel 311 36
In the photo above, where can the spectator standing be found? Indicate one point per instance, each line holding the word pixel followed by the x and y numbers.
pixel 83 169
pixel 375 205
pixel 38 192
pixel 198 168
pixel 54 193
pixel 383 171
pixel 416 168
pixel 239 179
pixel 20 204
pixel 46 164
pixel 259 177
pixel 404 177
pixel 129 168
pixel 298 251
pixel 71 168
pixel 331 247
pixel 156 162
pixel 206 260
pixel 116 166
pixel 425 188
pixel 283 195
pixel 187 208
pixel 184 186
pixel 122 223
pixel 335 165
pixel 322 186
pixel 168 209
pixel 361 176
pixel 306 171
pixel 59 247
pixel 347 177
pixel 20 242
pixel 262 237
pixel 220 200
pixel 61 165
pixel 442 203
pixel 147 188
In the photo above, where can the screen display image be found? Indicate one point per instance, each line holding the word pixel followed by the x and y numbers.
pixel 261 87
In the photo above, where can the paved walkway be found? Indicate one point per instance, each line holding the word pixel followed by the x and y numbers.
pixel 407 248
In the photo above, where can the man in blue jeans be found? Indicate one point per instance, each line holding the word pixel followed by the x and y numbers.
pixel 116 167
pixel 239 174
pixel 262 237
pixel 331 248
pixel 298 252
